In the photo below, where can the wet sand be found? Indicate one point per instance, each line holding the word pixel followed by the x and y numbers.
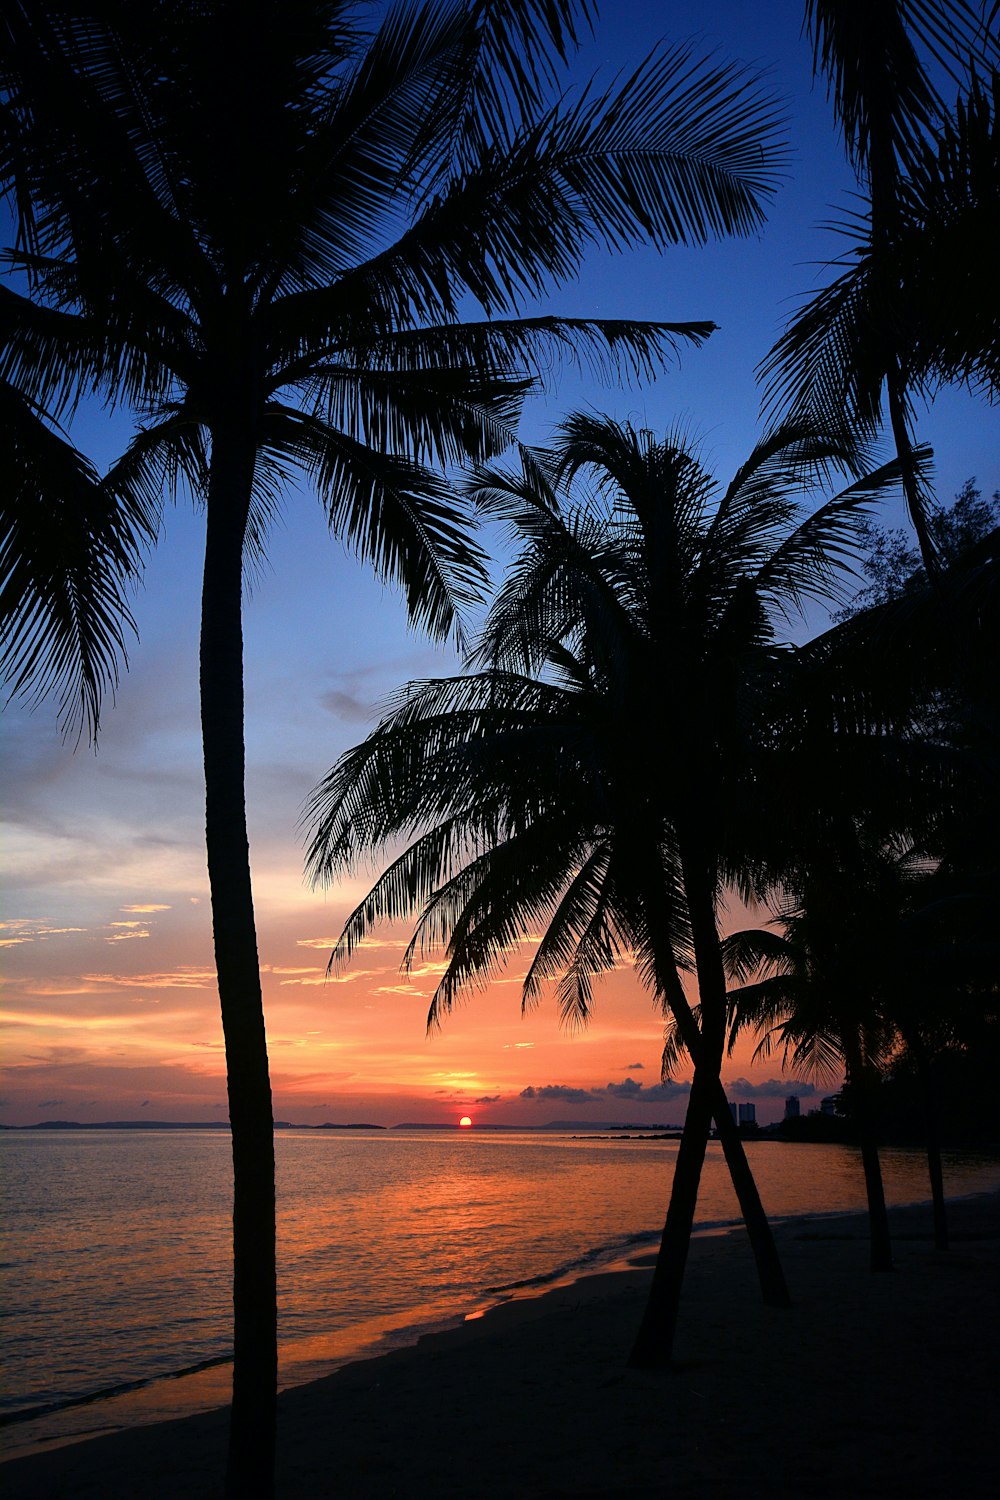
pixel 869 1386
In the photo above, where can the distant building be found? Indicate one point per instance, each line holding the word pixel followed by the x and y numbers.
pixel 732 1111
pixel 828 1106
pixel 792 1110
pixel 748 1114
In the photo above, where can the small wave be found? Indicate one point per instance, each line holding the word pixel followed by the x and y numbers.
pixel 105 1393
pixel 613 1250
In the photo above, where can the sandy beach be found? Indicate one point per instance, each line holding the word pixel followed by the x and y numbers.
pixel 869 1386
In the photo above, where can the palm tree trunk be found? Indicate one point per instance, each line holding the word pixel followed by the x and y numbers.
pixel 878 1220
pixel 916 502
pixel 773 1287
pixel 654 1344
pixel 250 1470
pixel 933 1129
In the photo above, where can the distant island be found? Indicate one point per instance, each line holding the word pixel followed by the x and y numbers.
pixel 176 1125
pixel 591 1126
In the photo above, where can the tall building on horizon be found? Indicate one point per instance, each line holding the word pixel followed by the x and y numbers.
pixel 792 1110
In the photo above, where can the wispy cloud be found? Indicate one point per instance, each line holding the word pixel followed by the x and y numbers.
pixel 150 907
pixel 125 931
pixel 184 978
pixel 32 930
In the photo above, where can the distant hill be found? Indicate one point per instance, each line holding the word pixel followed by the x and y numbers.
pixel 592 1125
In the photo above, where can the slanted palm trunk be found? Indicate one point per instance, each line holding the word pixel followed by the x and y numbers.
pixel 773 1287
pixel 859 1076
pixel 933 1130
pixel 250 1471
pixel 653 1347
pixel 654 1343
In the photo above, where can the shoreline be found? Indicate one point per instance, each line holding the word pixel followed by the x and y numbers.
pixel 177 1395
pixel 869 1385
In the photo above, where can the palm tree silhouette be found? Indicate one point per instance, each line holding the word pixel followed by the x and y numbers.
pixel 821 1000
pixel 607 773
pixel 263 228
pixel 917 302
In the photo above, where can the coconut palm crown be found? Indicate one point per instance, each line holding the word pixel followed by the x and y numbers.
pixel 601 774
pixel 325 257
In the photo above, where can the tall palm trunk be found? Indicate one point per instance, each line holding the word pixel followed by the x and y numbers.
pixel 250 1471
pixel 773 1287
pixel 653 1347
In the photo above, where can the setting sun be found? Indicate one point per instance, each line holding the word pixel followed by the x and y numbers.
pixel 465 1121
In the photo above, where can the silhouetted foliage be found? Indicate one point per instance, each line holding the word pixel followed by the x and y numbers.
pixel 914 301
pixel 894 567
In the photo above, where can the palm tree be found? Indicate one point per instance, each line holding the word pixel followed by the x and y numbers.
pixel 551 794
pixel 916 303
pixel 273 274
pixel 819 998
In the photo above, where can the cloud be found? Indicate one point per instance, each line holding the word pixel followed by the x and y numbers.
pixel 487 1099
pixel 628 1089
pixel 773 1088
pixel 635 1067
pixel 656 1093
pixel 517 1046
pixel 184 978
pixel 559 1091
pixel 135 930
pixel 346 707
pixel 150 907
pixel 32 930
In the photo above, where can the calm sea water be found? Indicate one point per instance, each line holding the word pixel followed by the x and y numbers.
pixel 115 1247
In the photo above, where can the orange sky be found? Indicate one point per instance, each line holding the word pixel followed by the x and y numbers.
pixel 103 1021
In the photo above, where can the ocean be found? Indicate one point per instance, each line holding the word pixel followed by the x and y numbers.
pixel 115 1247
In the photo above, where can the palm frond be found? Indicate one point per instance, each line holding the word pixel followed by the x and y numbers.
pixel 679 153
pixel 813 561
pixel 71 550
pixel 395 514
